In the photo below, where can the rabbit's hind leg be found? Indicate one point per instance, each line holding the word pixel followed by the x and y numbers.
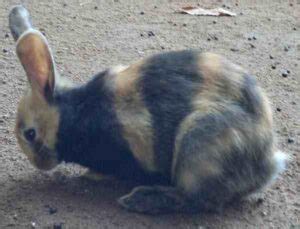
pixel 155 200
pixel 220 158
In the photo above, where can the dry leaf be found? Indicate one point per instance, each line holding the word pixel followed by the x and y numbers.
pixel 206 12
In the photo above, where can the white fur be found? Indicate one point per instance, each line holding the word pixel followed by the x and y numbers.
pixel 281 160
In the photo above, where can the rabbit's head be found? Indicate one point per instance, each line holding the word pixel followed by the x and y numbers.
pixel 37 117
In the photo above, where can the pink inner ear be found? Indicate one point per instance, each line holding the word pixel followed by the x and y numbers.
pixel 36 59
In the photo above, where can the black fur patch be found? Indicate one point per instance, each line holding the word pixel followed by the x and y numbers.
pixel 252 101
pixel 90 134
pixel 168 83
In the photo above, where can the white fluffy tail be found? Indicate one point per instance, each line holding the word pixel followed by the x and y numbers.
pixel 281 160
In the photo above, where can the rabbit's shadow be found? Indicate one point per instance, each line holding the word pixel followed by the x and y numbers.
pixel 81 195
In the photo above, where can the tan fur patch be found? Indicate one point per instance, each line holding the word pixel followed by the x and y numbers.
pixel 222 82
pixel 190 178
pixel 35 56
pixel 34 112
pixel 133 115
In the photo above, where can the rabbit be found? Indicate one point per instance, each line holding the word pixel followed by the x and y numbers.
pixel 194 130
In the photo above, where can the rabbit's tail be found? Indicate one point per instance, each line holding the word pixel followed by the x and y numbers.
pixel 280 159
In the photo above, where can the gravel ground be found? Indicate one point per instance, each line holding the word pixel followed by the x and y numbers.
pixel 89 36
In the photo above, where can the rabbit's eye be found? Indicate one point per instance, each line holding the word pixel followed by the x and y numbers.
pixel 30 134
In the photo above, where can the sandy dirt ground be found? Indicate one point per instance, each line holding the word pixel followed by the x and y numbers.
pixel 89 36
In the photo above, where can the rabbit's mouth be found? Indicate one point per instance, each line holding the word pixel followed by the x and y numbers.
pixel 44 158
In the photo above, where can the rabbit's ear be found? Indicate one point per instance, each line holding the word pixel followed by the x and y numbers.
pixel 36 58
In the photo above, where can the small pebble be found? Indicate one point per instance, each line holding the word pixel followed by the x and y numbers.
pixel 259 201
pixel 96 7
pixel 57 226
pixel 162 47
pixel 249 38
pixel 151 34
pixel 142 13
pixel 208 39
pixel 214 22
pixel 6 35
pixel 234 50
pixel 286 48
pixel 273 66
pixel 155 7
pixel 278 109
pixel 290 140
pixel 175 24
pixel 184 24
pixel 65 4
pixel 33 224
pixel 264 213
pixel 252 45
pixel 52 210
pixel 284 73
pixel 215 38
pixel 271 57
pixel 4 50
pixel 294 29
pixel 254 38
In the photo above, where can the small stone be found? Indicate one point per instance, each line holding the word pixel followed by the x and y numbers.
pixel 254 38
pixel 155 7
pixel 252 45
pixel 288 71
pixel 290 140
pixel 214 22
pixel 284 73
pixel 215 38
pixel 278 109
pixel 96 7
pixel 208 39
pixel 294 28
pixel 291 4
pixel 6 35
pixel 271 57
pixel 151 34
pixel 142 13
pixel 273 66
pixel 286 48
pixel 234 50
pixel 249 38
pixel 294 103
pixel 264 213
pixel 33 224
pixel 236 4
pixel 52 210
pixel 65 4
pixel 260 200
pixel 175 24
pixel 162 47
pixel 184 24
pixel 57 226
pixel 4 50
pixel 241 13
pixel 141 34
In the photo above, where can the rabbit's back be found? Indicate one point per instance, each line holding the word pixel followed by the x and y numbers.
pixel 154 97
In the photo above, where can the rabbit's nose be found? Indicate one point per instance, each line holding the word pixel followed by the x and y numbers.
pixel 19 21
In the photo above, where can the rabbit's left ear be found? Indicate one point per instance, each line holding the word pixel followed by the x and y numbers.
pixel 36 58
